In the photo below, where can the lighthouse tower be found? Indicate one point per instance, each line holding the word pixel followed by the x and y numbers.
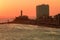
pixel 21 12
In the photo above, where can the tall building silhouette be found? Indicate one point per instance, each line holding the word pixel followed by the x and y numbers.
pixel 42 10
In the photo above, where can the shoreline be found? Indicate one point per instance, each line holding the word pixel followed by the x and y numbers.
pixel 44 25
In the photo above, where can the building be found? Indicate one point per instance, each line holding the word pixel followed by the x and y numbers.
pixel 21 18
pixel 57 19
pixel 42 10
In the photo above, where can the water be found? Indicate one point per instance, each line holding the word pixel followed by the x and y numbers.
pixel 28 32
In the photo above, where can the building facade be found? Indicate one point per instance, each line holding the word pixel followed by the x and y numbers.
pixel 57 19
pixel 42 10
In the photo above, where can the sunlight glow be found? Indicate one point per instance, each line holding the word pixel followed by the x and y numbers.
pixel 11 8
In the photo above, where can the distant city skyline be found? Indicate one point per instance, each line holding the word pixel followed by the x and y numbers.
pixel 11 8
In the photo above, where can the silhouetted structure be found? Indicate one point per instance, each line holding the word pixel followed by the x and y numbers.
pixel 21 12
pixel 43 18
pixel 57 19
pixel 42 10
pixel 21 18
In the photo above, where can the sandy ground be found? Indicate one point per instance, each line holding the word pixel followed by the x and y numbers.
pixel 28 32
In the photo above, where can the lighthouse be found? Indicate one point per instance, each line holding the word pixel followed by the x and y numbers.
pixel 21 12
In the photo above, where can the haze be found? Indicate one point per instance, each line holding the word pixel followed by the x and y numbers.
pixel 11 8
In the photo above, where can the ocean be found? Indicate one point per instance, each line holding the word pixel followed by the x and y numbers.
pixel 28 32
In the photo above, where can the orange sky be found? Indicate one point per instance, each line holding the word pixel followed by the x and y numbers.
pixel 10 8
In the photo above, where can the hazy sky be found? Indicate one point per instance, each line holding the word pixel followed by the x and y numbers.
pixel 11 8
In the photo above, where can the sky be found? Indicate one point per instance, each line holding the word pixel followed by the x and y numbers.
pixel 11 8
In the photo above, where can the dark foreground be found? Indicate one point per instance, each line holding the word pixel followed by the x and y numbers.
pixel 28 32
